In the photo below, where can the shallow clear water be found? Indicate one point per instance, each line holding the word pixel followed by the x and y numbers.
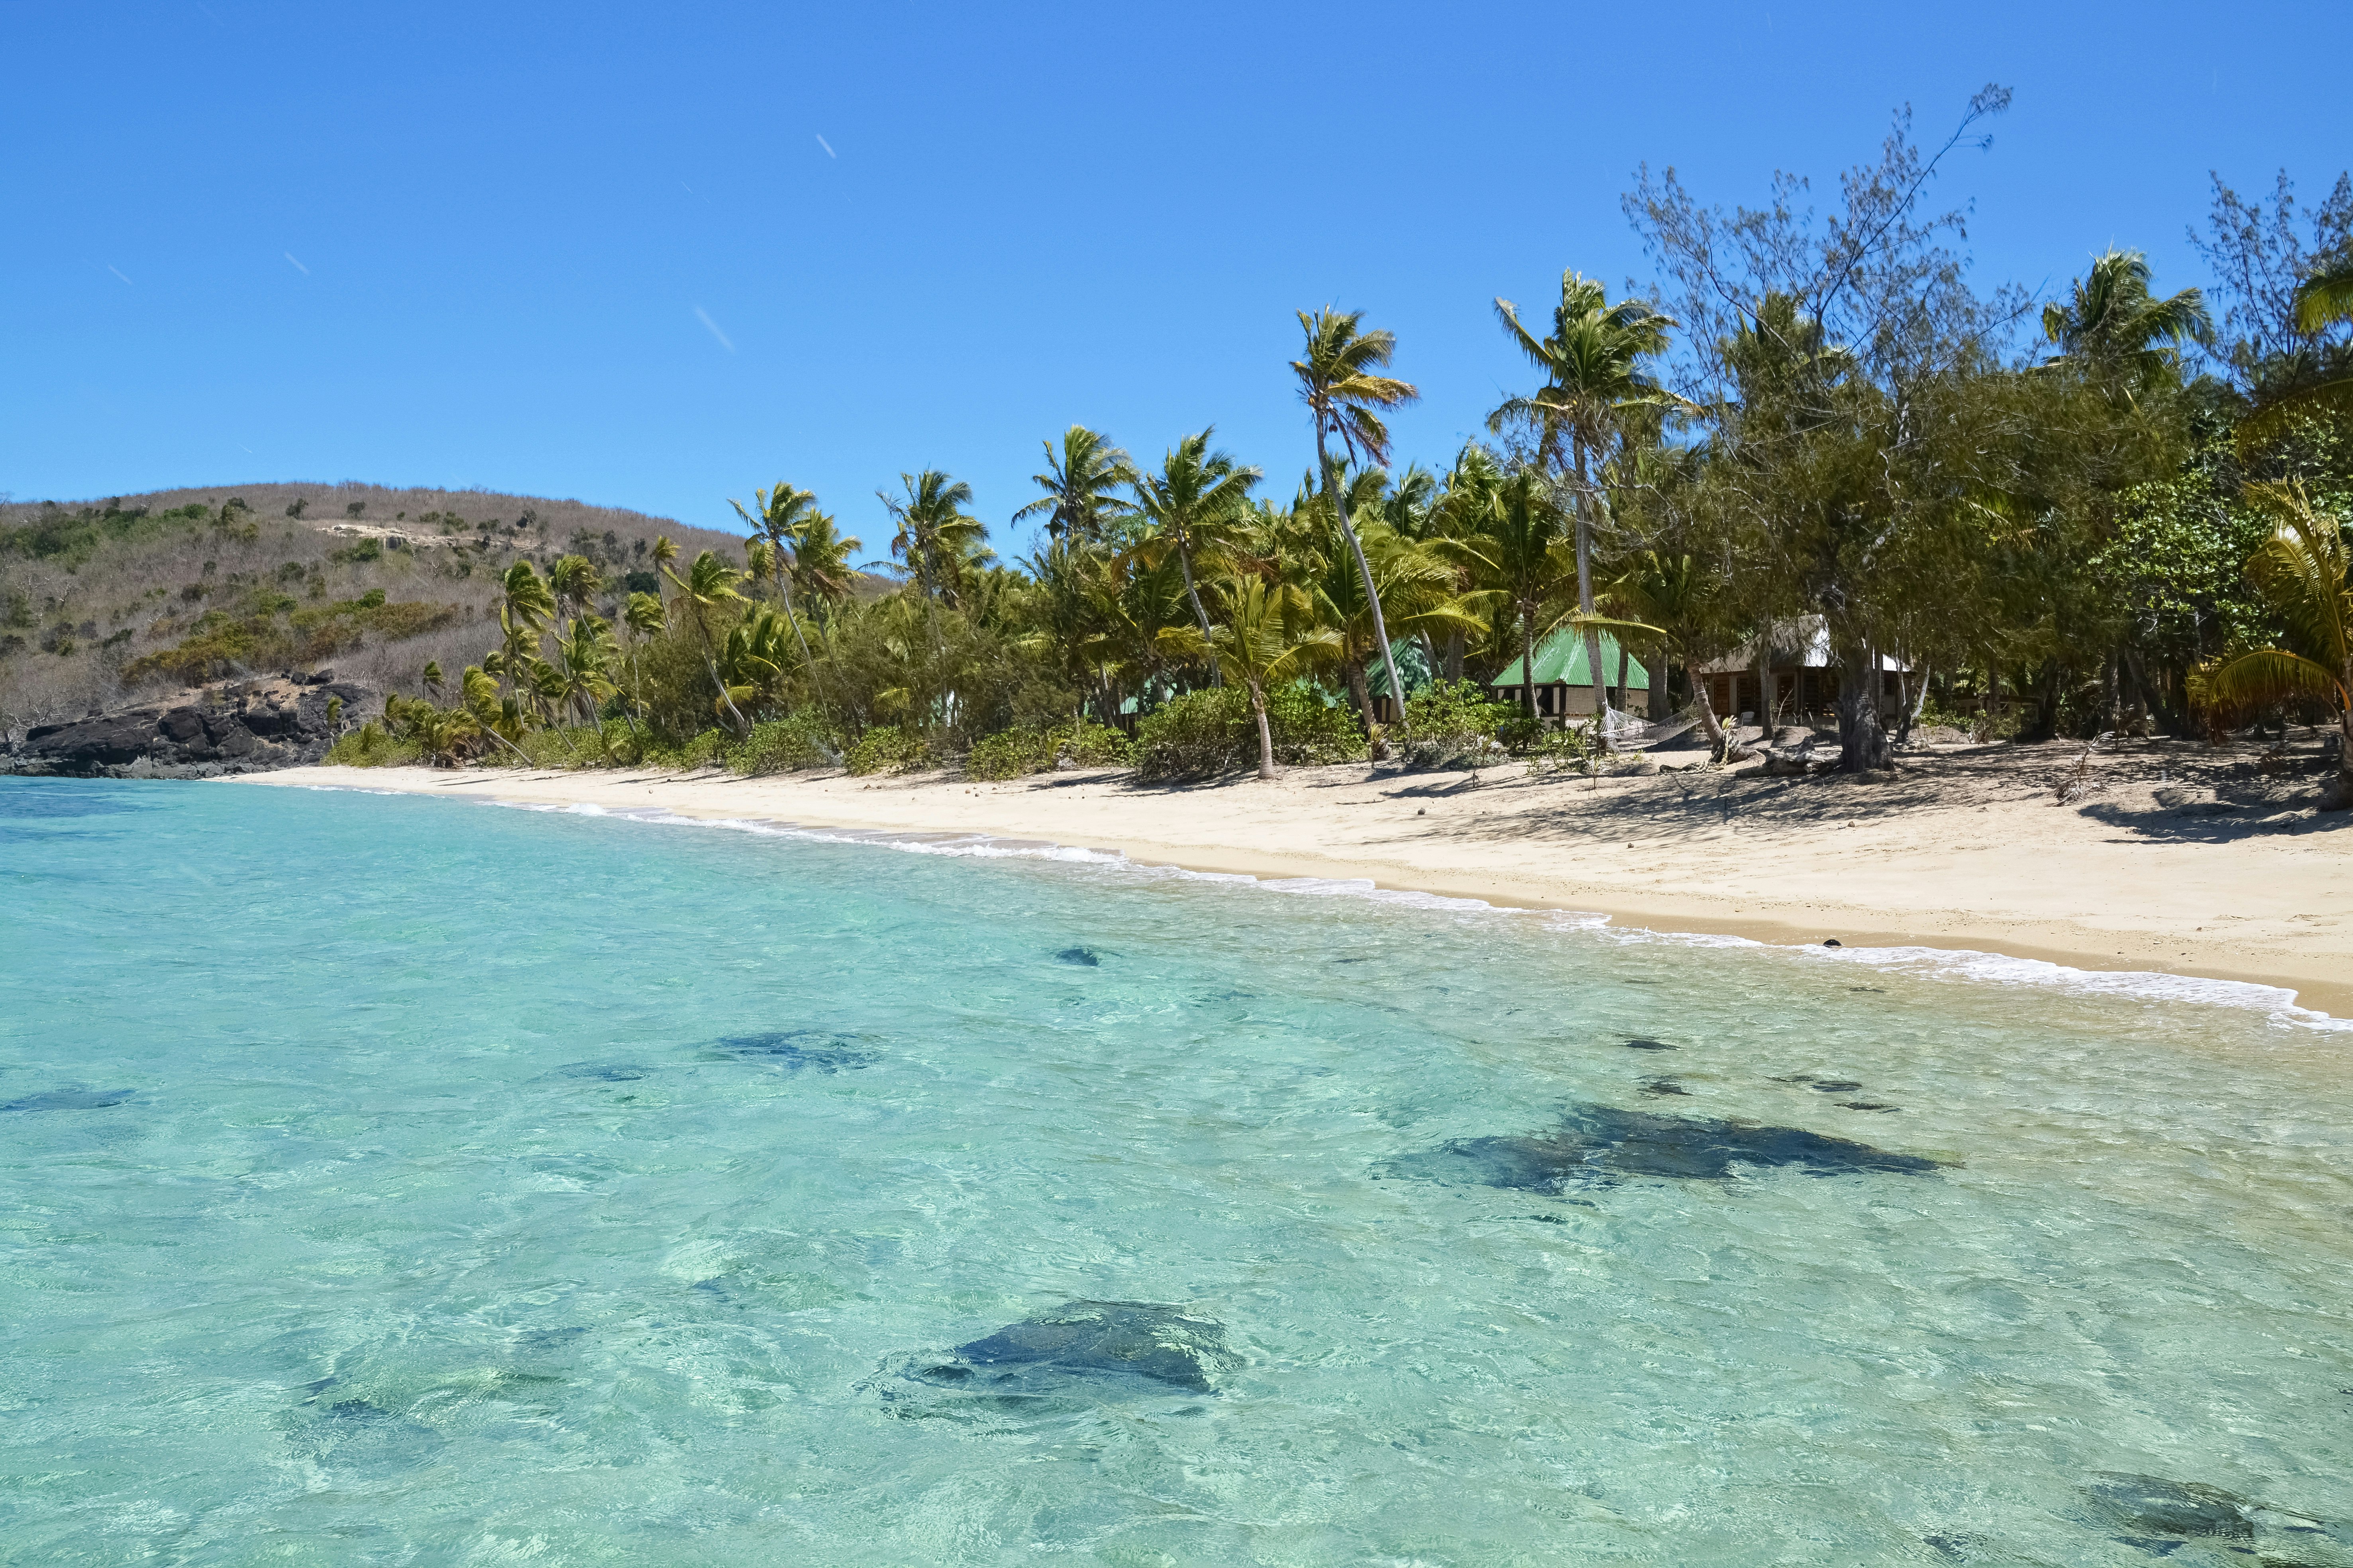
pixel 441 1222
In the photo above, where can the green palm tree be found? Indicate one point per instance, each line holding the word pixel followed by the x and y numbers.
pixel 2304 572
pixel 525 605
pixel 708 586
pixel 940 544
pixel 585 661
pixel 785 512
pixel 1081 484
pixel 2324 298
pixel 1268 638
pixel 821 563
pixel 1592 363
pixel 645 618
pixel 1189 508
pixel 2112 323
pixel 1339 381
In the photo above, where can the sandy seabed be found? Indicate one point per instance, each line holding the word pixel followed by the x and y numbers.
pixel 2169 859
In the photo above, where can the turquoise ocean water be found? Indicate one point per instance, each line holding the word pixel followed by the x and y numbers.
pixel 390 1180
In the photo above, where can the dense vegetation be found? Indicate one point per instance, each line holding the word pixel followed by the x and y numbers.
pixel 2124 509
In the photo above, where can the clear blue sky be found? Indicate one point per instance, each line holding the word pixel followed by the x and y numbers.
pixel 601 251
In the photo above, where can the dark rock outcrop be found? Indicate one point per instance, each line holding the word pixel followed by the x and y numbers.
pixel 235 727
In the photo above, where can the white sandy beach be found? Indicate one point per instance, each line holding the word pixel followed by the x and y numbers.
pixel 1965 851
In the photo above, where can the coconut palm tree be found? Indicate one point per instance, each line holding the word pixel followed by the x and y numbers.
pixel 940 544
pixel 821 563
pixel 1268 638
pixel 1081 483
pixel 709 586
pixel 2323 299
pixel 1339 381
pixel 2304 572
pixel 644 616
pixel 583 661
pixel 525 604
pixel 2112 322
pixel 785 512
pixel 1189 508
pixel 1592 364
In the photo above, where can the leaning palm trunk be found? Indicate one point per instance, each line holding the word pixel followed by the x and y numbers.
pixel 711 662
pixel 1372 595
pixel 1585 596
pixel 1265 733
pixel 1528 658
pixel 1193 594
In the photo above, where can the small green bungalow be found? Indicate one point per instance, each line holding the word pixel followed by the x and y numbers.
pixel 1564 687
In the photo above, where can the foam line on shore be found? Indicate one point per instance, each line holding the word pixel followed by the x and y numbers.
pixel 2277 1003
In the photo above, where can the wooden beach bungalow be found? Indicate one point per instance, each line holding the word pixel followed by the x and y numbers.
pixel 1564 687
pixel 1799 669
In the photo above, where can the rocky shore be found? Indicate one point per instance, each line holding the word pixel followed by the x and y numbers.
pixel 233 727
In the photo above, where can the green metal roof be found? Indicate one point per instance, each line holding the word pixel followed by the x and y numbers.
pixel 1560 658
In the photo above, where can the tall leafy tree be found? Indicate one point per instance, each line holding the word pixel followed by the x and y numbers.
pixel 1191 507
pixel 1593 361
pixel 1266 639
pixel 1081 485
pixel 708 588
pixel 1340 381
pixel 2117 327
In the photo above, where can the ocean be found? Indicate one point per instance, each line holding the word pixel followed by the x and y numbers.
pixel 392 1180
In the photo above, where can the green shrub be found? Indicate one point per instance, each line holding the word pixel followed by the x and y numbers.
pixel 1453 723
pixel 369 747
pixel 1212 731
pixel 888 750
pixel 1011 753
pixel 783 746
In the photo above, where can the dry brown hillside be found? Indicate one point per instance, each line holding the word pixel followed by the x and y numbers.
pixel 102 599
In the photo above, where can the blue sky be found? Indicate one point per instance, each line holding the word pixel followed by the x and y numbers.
pixel 656 256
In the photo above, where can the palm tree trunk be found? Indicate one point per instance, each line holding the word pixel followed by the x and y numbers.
pixel 1193 594
pixel 1360 693
pixel 1625 702
pixel 1528 656
pixel 1265 735
pixel 1372 595
pixel 710 661
pixel 1585 594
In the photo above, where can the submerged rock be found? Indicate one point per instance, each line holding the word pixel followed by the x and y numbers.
pixel 358 1433
pixel 1600 1144
pixel 2150 1507
pixel 1648 1046
pixel 1082 956
pixel 1109 1342
pixel 795 1049
pixel 604 1072
pixel 69 1099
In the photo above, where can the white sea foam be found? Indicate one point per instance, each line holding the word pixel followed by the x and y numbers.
pixel 2276 1002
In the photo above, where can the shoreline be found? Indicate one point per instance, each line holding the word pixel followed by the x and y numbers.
pixel 2032 884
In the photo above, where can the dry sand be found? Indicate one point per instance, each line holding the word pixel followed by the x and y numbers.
pixel 2167 856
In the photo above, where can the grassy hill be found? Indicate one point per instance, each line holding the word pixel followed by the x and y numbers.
pixel 105 599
